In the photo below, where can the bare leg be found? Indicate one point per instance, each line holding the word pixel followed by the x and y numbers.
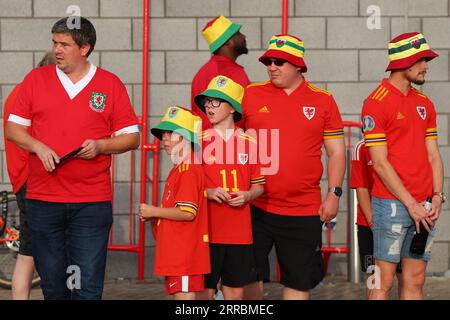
pixel 292 294
pixel 254 291
pixel 413 276
pixel 184 296
pixel 22 276
pixel 207 294
pixel 230 293
pixel 386 273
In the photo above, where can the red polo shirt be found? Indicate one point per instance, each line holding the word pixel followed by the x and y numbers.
pixel 403 124
pixel 303 120
pixel 217 65
pixel 100 109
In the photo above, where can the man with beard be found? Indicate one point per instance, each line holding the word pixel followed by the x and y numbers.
pixel 226 44
pixel 399 124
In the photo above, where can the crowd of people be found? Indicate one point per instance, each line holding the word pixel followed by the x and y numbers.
pixel 247 166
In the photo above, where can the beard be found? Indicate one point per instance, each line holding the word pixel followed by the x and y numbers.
pixel 416 79
pixel 242 49
pixel 418 82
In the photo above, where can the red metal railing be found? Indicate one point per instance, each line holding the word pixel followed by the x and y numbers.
pixel 284 18
pixel 329 249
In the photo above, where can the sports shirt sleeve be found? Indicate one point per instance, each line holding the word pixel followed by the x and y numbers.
pixel 334 128
pixel 124 118
pixel 21 112
pixel 374 124
pixel 359 174
pixel 187 191
pixel 431 133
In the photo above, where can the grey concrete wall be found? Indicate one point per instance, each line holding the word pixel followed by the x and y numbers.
pixel 342 54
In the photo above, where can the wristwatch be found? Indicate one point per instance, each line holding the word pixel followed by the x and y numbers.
pixel 336 190
pixel 441 195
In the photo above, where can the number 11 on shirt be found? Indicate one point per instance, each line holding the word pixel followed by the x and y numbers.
pixel 223 172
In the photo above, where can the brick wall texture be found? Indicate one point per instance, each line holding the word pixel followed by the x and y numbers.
pixel 342 53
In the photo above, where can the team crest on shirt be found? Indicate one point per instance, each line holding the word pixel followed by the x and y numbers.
pixel 97 102
pixel 243 158
pixel 422 111
pixel 309 112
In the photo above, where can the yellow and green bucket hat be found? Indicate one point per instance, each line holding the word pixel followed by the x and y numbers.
pixel 218 31
pixel 407 49
pixel 286 47
pixel 182 121
pixel 224 88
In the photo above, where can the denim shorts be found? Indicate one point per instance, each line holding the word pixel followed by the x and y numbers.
pixel 393 230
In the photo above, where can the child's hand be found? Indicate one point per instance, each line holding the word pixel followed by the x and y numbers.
pixel 217 194
pixel 146 211
pixel 238 198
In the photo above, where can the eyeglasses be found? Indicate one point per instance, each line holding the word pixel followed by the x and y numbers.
pixel 215 103
pixel 277 62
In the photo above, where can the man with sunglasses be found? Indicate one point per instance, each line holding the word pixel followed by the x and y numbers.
pixel 290 213
pixel 226 44
pixel 400 132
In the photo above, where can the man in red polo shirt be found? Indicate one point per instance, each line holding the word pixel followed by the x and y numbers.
pixel 60 108
pixel 226 44
pixel 399 124
pixel 290 213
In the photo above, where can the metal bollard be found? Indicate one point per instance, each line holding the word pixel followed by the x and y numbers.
pixel 353 262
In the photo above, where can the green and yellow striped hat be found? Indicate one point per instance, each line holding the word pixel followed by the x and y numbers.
pixel 407 49
pixel 218 31
pixel 286 47
pixel 224 88
pixel 182 121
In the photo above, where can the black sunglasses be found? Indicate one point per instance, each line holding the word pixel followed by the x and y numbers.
pixel 277 62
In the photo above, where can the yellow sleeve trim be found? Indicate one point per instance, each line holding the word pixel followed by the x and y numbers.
pixel 374 135
pixel 374 144
pixel 431 138
pixel 432 130
pixel 188 209
pixel 340 136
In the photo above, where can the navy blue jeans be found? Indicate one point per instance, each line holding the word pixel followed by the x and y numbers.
pixel 71 235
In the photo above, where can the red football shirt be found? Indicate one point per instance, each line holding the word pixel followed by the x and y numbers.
pixel 16 158
pixel 303 120
pixel 402 123
pixel 99 108
pixel 232 165
pixel 217 65
pixel 182 247
pixel 361 175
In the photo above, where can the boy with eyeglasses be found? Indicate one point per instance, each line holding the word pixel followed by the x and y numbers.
pixel 233 179
pixel 181 233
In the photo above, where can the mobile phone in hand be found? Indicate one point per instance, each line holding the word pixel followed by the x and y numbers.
pixel 70 154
